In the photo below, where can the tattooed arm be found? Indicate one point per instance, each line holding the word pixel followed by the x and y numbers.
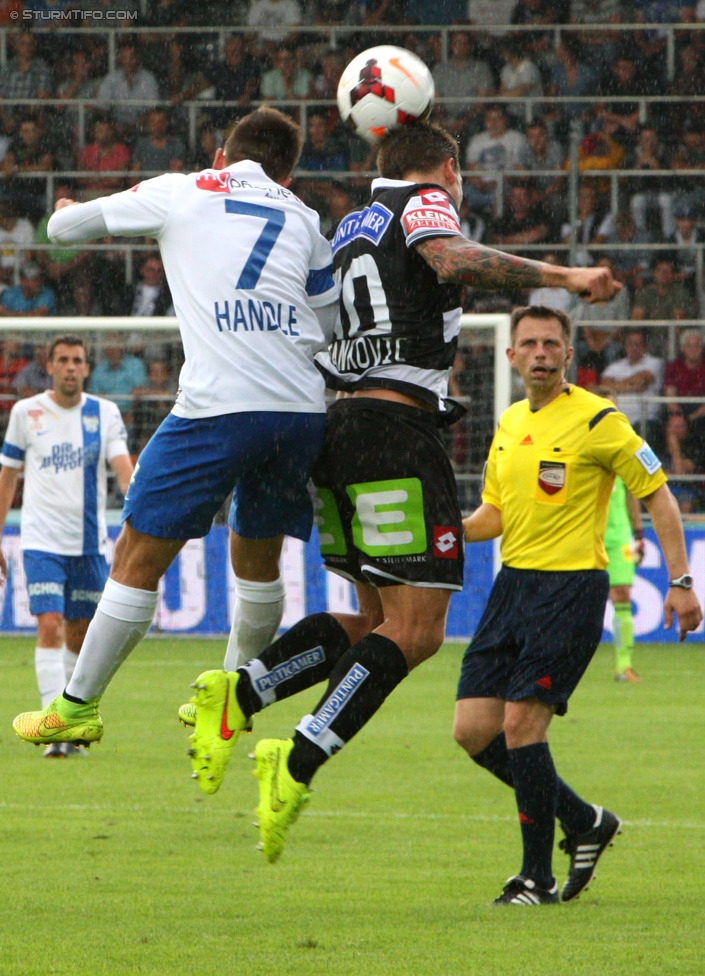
pixel 460 260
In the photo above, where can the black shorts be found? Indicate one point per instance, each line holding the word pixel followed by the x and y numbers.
pixel 536 637
pixel 388 508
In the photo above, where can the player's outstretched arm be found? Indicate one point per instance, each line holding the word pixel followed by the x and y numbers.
pixel 461 260
pixel 666 519
pixel 484 523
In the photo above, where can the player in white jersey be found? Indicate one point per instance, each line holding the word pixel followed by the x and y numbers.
pixel 64 441
pixel 250 276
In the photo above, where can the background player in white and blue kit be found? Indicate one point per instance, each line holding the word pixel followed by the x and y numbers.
pixel 250 276
pixel 64 440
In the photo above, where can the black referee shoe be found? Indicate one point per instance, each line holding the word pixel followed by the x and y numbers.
pixel 523 891
pixel 586 849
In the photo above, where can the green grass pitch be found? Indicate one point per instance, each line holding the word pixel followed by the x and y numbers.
pixel 116 864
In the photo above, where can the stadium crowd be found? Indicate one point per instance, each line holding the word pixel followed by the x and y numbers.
pixel 518 92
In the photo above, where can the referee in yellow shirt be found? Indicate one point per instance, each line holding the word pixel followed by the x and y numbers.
pixel 547 488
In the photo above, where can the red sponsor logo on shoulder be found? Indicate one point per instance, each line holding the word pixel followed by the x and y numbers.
pixel 214 180
pixel 429 220
pixel 135 188
pixel 545 682
pixel 445 541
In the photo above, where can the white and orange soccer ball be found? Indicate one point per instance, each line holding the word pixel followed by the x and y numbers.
pixel 383 88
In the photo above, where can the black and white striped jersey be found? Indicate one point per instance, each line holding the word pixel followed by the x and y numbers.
pixel 399 324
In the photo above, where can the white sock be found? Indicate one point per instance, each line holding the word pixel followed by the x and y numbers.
pixel 49 669
pixel 121 620
pixel 259 608
pixel 68 661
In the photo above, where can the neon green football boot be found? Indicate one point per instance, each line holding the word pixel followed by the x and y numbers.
pixel 218 723
pixel 61 721
pixel 281 798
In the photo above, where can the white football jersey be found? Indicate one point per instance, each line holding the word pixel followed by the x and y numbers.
pixel 64 453
pixel 246 264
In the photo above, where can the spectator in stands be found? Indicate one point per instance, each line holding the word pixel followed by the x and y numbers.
pixel 652 193
pixel 150 296
pixel 571 75
pixel 28 154
pixel 275 22
pixel 599 152
pixel 323 152
pixel 495 149
pixel 80 83
pixel 523 220
pixel 16 238
pixel 687 83
pixel 685 240
pixel 105 154
pixel 519 79
pixel 326 75
pixel 58 263
pixel 203 154
pixel 551 297
pixel 620 119
pixel 540 43
pixel 105 270
pixel 588 224
pixel 441 12
pixel 682 454
pixel 341 201
pixel 33 378
pixel 690 154
pixel 126 6
pixel 632 265
pixel 685 377
pixel 465 76
pixel 543 153
pixel 151 404
pixel 32 297
pixel 118 374
pixel 25 75
pixel 634 379
pixel 159 151
pixel 286 81
pixel 82 300
pixel 664 298
pixel 598 345
pixel 599 46
pixel 652 44
pixel 11 365
pixel 234 79
pixel 127 83
pixel 164 53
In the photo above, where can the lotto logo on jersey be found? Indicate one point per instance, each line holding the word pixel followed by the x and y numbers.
pixel 217 181
pixel 424 219
pixel 435 198
pixel 445 542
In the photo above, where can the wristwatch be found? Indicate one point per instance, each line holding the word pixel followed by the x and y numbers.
pixel 685 582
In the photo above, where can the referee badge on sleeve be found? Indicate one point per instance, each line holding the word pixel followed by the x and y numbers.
pixel 551 476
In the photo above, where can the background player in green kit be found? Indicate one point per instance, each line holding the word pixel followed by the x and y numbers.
pixel 624 542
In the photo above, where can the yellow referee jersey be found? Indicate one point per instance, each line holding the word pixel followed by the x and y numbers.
pixel 550 472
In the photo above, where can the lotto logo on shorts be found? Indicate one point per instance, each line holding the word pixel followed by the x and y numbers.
pixel 445 542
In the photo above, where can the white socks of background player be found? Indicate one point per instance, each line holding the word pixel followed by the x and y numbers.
pixel 49 668
pixel 122 619
pixel 258 611
pixel 53 667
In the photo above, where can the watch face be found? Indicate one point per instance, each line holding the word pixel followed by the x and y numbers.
pixel 685 582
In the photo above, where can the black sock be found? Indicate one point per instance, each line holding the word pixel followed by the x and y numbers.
pixel 495 758
pixel 72 698
pixel 572 811
pixel 303 656
pixel 536 790
pixel 359 683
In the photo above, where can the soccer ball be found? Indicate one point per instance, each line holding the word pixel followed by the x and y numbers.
pixel 384 88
